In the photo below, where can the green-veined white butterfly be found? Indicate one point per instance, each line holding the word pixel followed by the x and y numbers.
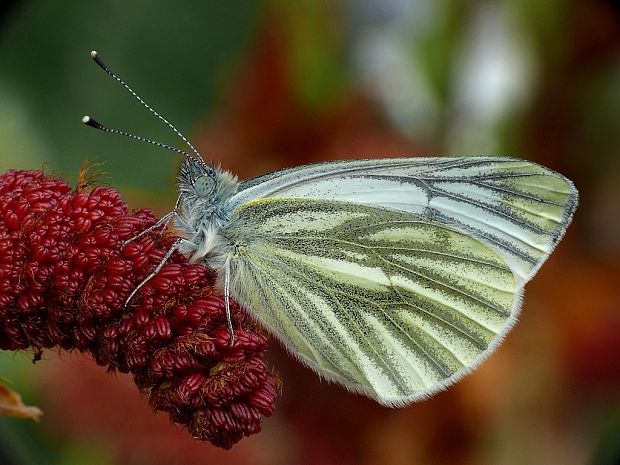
pixel 393 277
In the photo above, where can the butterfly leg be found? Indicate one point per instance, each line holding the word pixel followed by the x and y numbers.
pixel 155 271
pixel 164 220
pixel 231 333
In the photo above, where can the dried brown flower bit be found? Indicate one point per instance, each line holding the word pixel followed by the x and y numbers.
pixel 11 405
pixel 64 281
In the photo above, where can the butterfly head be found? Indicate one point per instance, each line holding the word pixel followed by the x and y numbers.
pixel 204 191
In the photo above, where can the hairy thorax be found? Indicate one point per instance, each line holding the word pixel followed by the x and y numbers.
pixel 201 217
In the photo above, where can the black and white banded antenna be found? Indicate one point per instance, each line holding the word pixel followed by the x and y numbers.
pixel 88 121
pixel 94 124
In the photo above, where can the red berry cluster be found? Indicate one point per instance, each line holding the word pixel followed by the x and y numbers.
pixel 64 281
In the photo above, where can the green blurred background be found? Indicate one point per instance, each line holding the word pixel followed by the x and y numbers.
pixel 260 85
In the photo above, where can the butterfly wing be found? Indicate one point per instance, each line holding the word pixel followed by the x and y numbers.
pixel 387 303
pixel 517 207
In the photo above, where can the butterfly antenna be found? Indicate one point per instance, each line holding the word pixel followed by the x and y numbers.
pixel 97 59
pixel 88 121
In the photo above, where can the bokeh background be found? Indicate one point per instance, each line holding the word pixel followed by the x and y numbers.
pixel 260 85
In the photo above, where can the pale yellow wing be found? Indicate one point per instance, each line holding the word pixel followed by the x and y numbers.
pixel 384 302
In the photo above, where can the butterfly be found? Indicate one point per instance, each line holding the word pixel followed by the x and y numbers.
pixel 392 277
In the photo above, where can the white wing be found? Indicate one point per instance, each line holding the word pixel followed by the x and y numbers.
pixel 517 207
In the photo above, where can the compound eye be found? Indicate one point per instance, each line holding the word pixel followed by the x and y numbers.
pixel 204 186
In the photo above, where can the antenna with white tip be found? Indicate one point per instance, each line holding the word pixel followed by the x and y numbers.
pixel 88 121
pixel 94 124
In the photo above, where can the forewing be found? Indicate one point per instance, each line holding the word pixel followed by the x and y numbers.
pixel 387 303
pixel 517 207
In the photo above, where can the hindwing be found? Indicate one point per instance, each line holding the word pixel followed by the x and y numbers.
pixel 387 303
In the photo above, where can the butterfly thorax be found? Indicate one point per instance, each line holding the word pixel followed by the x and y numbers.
pixel 204 207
